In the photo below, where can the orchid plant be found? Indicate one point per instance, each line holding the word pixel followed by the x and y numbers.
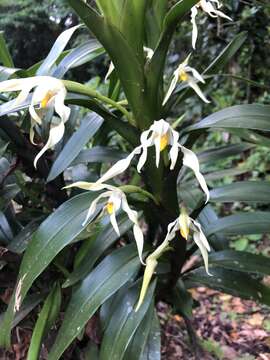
pixel 110 163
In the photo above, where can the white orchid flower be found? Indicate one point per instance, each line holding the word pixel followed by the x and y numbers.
pixel 182 73
pixel 184 224
pixel 149 54
pixel 49 92
pixel 160 135
pixel 210 9
pixel 116 200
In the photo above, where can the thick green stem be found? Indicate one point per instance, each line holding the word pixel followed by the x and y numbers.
pixel 78 88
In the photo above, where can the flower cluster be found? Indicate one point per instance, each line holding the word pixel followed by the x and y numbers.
pixel 160 135
pixel 184 73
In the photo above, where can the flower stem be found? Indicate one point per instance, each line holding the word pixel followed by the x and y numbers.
pixel 86 90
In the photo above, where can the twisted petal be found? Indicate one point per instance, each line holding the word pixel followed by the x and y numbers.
pixel 110 70
pixel 174 148
pixel 138 234
pixel 145 143
pixel 190 160
pixel 151 265
pixel 201 241
pixel 93 206
pixel 55 135
pixel 195 73
pixel 90 186
pixel 120 166
pixel 59 104
pixel 197 90
pixel 194 12
pixel 171 87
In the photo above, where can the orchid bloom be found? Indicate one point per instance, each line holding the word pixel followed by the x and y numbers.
pixel 184 224
pixel 210 9
pixel 160 135
pixel 49 92
pixel 182 74
pixel 116 200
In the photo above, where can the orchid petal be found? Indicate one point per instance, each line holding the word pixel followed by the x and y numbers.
pixel 114 223
pixel 198 241
pixel 190 160
pixel 93 206
pixel 174 148
pixel 55 135
pixel 120 166
pixel 110 70
pixel 194 12
pixel 198 91
pixel 171 88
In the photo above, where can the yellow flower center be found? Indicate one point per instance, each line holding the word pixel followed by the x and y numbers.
pixel 46 99
pixel 183 76
pixel 110 208
pixel 184 224
pixel 164 140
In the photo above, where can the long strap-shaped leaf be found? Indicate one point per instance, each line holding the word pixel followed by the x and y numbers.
pixel 232 282
pixel 123 324
pixel 251 116
pixel 124 58
pixel 57 231
pixel 111 274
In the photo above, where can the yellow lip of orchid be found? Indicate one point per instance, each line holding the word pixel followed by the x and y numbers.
pixel 110 208
pixel 160 134
pixel 48 91
pixel 116 200
pixel 164 141
pixel 180 223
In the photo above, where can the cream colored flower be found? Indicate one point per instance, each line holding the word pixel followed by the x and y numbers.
pixel 183 223
pixel 116 200
pixel 186 73
pixel 161 135
pixel 210 9
pixel 49 92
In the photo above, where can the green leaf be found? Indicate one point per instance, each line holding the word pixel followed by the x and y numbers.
pixel 56 51
pixel 56 232
pixel 78 56
pixel 124 322
pixel 153 345
pixel 247 191
pixel 232 282
pixel 242 223
pixel 128 17
pixel 111 274
pixel 241 261
pixel 129 68
pixel 98 154
pixel 19 243
pixel 45 321
pixel 29 304
pixel 102 242
pixel 226 54
pixel 89 126
pixel 143 338
pixel 256 117
pixel 155 13
pixel 5 56
pixel 7 193
pixel 222 152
